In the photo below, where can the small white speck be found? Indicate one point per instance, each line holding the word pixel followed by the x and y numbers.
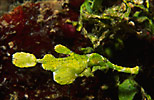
pixel 3 47
pixel 131 23
pixel 123 69
pixel 26 95
pixel 0 66
pixel 8 54
pixel 3 81
pixel 76 75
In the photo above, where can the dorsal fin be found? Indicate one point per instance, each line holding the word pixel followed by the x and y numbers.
pixel 62 49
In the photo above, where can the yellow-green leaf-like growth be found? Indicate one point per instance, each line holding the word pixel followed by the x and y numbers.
pixel 22 59
pixel 66 70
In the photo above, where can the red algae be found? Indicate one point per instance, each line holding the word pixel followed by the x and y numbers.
pixel 37 22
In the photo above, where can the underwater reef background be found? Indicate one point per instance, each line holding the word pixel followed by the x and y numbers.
pixel 37 26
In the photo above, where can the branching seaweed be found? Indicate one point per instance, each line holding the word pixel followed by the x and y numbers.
pixel 107 22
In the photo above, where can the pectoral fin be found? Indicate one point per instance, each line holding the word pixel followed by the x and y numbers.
pixel 64 76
